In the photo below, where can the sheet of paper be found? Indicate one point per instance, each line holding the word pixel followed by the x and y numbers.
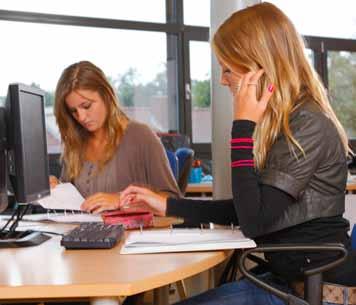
pixel 64 217
pixel 67 217
pixel 64 196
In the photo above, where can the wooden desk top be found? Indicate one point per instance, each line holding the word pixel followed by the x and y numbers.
pixel 49 271
pixel 351 186
pixel 199 187
pixel 208 187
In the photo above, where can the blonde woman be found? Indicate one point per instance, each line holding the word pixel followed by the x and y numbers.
pixel 103 150
pixel 288 154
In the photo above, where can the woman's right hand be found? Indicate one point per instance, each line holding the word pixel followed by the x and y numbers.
pixel 143 198
pixel 53 181
pixel 246 104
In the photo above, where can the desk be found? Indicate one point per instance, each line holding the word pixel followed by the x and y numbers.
pixel 351 186
pixel 205 189
pixel 48 272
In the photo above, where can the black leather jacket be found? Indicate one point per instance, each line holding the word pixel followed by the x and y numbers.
pixel 316 179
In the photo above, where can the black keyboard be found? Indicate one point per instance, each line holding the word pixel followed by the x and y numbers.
pixel 93 235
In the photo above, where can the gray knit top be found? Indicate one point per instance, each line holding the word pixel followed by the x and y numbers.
pixel 139 159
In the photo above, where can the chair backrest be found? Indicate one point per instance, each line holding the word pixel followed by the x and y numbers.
pixel 173 162
pixel 174 141
pixel 312 286
pixel 185 160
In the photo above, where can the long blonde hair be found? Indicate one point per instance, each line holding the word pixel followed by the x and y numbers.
pixel 85 75
pixel 262 36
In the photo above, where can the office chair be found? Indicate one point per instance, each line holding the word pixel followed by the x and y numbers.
pixel 313 286
pixel 173 162
pixel 185 160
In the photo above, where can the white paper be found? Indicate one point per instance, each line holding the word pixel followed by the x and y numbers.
pixel 182 240
pixel 64 217
pixel 64 197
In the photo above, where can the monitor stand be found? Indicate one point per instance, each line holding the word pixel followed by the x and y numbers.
pixel 10 238
pixel 19 239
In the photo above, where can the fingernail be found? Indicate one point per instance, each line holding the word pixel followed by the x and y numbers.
pixel 270 88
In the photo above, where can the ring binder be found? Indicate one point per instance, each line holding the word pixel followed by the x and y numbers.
pixel 185 240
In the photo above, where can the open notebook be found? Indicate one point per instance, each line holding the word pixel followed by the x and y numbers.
pixel 183 240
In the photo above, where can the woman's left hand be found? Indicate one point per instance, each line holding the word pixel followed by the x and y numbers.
pixel 246 105
pixel 100 202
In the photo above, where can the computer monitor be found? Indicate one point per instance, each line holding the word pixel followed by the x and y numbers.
pixel 23 146
pixel 3 162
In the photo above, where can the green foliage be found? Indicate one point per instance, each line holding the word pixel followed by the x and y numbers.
pixel 133 93
pixel 342 88
pixel 201 93
pixel 125 86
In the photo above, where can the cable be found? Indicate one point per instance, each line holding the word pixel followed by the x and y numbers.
pixel 10 219
pixel 20 215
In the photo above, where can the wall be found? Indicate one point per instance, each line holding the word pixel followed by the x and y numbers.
pixel 222 105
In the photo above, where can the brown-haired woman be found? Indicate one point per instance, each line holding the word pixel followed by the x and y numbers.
pixel 288 155
pixel 103 150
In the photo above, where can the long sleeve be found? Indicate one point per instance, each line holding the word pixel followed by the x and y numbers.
pixel 203 211
pixel 256 205
pixel 253 206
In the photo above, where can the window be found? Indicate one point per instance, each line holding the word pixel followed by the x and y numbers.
pixel 332 47
pixel 200 57
pixel 137 44
pixel 140 78
pixel 191 17
pixel 321 18
pixel 152 10
pixel 310 55
pixel 342 88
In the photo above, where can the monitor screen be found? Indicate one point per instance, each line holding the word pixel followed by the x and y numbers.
pixel 27 160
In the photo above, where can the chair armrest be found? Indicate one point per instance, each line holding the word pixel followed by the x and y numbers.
pixel 289 298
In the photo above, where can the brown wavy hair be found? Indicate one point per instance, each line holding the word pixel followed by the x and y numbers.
pixel 86 76
pixel 262 36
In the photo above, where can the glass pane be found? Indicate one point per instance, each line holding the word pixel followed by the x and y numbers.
pixel 200 80
pixel 321 18
pixel 310 55
pixel 139 77
pixel 191 17
pixel 140 10
pixel 342 88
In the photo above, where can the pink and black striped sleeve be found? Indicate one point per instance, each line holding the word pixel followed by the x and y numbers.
pixel 256 205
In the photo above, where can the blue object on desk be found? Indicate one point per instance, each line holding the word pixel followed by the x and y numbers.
pixel 207 178
pixel 353 238
pixel 185 157
pixel 195 175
